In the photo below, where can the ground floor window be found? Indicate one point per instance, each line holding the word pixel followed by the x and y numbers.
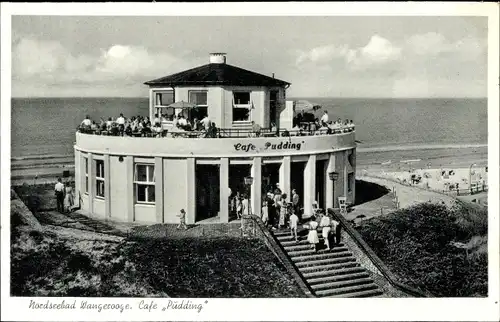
pixel 86 161
pixel 144 181
pixel 99 178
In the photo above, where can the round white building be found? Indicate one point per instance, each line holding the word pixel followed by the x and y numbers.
pixel 149 179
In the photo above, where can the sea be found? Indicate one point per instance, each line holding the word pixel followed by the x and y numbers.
pixel 43 129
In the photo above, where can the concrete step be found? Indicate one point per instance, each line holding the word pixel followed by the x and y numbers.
pixel 327 267
pixel 336 278
pixel 307 248
pixel 303 242
pixel 376 292
pixel 324 255
pixel 326 261
pixel 287 237
pixel 341 284
pixel 286 231
pixel 308 251
pixel 333 271
pixel 346 291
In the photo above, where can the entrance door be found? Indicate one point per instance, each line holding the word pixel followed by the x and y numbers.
pixel 320 183
pixel 207 191
pixel 297 179
pixel 273 104
pixel 237 174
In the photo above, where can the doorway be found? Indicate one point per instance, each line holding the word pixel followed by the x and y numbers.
pixel 297 179
pixel 320 183
pixel 237 174
pixel 207 191
pixel 270 176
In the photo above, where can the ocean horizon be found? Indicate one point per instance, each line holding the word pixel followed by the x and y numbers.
pixel 44 127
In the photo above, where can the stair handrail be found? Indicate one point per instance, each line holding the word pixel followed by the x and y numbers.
pixel 278 251
pixel 375 259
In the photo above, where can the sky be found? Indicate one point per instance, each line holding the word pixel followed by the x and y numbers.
pixel 330 56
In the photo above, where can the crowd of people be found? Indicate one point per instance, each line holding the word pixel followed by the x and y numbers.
pixel 143 126
pixel 322 126
pixel 204 127
pixel 279 212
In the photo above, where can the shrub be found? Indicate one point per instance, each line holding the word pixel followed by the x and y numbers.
pixel 416 244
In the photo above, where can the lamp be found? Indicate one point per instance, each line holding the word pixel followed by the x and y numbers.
pixel 333 175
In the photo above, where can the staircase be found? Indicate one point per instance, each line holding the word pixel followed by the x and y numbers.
pixel 334 273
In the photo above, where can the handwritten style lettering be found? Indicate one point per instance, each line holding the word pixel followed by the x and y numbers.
pixel 285 145
pixel 244 147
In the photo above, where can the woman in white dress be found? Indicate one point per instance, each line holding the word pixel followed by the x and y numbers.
pixel 326 225
pixel 265 213
pixel 68 199
pixel 312 237
pixel 283 210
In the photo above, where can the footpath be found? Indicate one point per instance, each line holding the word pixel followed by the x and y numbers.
pixel 406 196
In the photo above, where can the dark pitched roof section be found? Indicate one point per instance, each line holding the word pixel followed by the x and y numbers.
pixel 217 74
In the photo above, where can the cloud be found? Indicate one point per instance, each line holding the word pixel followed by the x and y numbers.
pixel 51 63
pixel 378 51
pixel 433 44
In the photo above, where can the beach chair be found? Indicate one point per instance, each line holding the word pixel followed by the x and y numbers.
pixel 343 204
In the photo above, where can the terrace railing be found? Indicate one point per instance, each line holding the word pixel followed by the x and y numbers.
pixel 219 133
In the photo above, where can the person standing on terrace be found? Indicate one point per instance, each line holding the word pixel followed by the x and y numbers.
pixel 206 122
pixel 324 118
pixel 256 129
pixel 120 120
pixel 86 122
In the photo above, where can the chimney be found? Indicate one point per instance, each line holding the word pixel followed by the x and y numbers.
pixel 273 75
pixel 217 58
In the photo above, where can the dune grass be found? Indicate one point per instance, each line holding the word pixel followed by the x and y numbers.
pixel 44 264
pixel 419 245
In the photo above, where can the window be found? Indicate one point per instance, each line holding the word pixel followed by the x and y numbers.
pixel 198 97
pixel 164 98
pixel 241 106
pixel 241 98
pixel 86 160
pixel 350 181
pixel 99 178
pixel 144 181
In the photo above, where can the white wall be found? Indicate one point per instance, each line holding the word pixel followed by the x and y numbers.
pixel 99 208
pixel 201 147
pixel 145 213
pixel 175 189
pixel 118 188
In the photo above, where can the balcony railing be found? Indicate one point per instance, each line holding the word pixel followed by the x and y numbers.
pixel 218 133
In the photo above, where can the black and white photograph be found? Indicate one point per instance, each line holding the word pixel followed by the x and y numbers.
pixel 170 161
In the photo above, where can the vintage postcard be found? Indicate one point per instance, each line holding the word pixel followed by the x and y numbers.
pixel 250 161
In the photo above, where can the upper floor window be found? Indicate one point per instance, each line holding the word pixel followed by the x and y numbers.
pixel 99 178
pixel 241 98
pixel 241 106
pixel 164 98
pixel 198 97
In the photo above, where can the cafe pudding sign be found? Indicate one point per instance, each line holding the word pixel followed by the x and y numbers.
pixel 268 146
